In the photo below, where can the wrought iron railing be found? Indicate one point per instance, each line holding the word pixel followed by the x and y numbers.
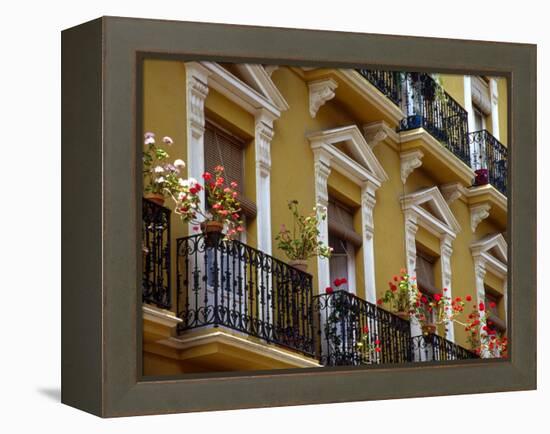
pixel 349 329
pixel 228 283
pixel 155 239
pixel 488 153
pixel 387 82
pixel 434 348
pixel 428 106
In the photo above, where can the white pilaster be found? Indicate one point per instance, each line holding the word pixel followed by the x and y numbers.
pixel 479 269
pixel 322 172
pixel 493 92
pixel 262 141
pixel 446 250
pixel 411 227
pixel 197 91
pixel 368 201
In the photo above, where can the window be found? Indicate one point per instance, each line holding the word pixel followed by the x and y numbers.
pixel 479 119
pixel 344 240
pixel 493 319
pixel 223 148
pixel 425 274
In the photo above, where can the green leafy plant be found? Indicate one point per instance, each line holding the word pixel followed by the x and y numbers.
pixel 302 242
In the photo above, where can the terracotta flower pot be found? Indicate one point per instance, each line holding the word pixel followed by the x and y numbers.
pixel 299 264
pixel 429 329
pixel 213 232
pixel 156 198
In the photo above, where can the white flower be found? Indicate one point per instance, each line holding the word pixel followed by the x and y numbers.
pixel 167 140
pixel 159 169
pixel 182 196
pixel 180 164
pixel 193 181
pixel 159 180
pixel 183 182
pixel 150 140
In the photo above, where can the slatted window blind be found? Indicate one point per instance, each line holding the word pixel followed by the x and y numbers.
pixel 340 223
pixel 222 148
pixel 425 273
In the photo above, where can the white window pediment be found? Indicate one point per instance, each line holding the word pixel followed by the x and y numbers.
pixel 430 206
pixel 349 154
pixel 492 250
pixel 258 78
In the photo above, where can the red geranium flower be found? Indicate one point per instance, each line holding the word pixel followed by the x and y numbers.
pixel 377 349
pixel 468 298
pixel 379 301
pixel 329 290
pixel 365 329
pixel 492 305
pixel 481 306
pixel 207 176
pixel 437 297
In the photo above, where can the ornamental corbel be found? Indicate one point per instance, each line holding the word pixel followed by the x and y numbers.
pixel 478 213
pixel 320 91
pixel 410 160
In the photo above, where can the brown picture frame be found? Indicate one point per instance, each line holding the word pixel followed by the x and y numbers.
pixel 101 191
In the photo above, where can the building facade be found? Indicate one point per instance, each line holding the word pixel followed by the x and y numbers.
pixel 412 168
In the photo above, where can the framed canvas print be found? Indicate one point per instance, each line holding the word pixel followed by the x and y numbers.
pixel 259 217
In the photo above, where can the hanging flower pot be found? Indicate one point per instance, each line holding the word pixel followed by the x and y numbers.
pixel 482 177
pixel 299 264
pixel 156 198
pixel 213 232
pixel 429 329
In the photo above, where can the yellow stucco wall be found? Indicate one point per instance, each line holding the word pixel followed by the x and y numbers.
pixel 292 171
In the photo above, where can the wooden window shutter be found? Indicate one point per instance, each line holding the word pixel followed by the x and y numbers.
pixel 340 223
pixel 221 148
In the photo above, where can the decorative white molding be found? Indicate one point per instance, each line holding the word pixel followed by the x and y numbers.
pixel 441 222
pixel 452 191
pixel 478 213
pixel 363 167
pixel 376 132
pixel 410 160
pixel 160 316
pixel 197 91
pixel 270 69
pixel 490 252
pixel 365 170
pixel 493 89
pixel 258 78
pixel 262 142
pixel 320 91
pixel 368 201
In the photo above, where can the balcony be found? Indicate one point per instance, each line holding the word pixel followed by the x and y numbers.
pixel 230 284
pixel 387 82
pixel 436 348
pixel 488 153
pixel 155 236
pixel 349 327
pixel 428 106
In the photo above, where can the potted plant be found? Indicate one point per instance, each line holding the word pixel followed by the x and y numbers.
pixel 432 311
pixel 160 178
pixel 399 293
pixel 302 242
pixel 482 177
pixel 368 346
pixel 483 337
pixel 223 211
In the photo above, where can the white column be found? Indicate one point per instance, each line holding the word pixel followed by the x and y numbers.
pixel 446 252
pixel 470 109
pixel 479 269
pixel 262 141
pixel 368 201
pixel 411 227
pixel 322 172
pixel 197 90
pixel 493 89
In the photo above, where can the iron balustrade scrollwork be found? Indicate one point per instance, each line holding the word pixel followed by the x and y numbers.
pixel 387 82
pixel 155 238
pixel 488 153
pixel 230 284
pixel 428 106
pixel 349 327
pixel 434 348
